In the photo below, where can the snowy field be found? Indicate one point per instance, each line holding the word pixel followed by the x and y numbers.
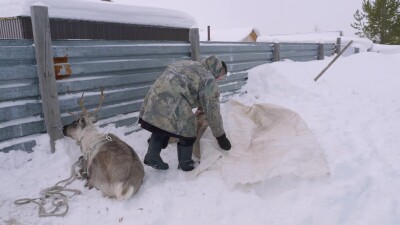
pixel 352 110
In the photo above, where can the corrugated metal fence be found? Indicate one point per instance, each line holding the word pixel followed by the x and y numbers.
pixel 126 70
pixel 19 106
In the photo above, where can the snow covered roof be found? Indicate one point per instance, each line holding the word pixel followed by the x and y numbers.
pixel 97 10
pixel 233 34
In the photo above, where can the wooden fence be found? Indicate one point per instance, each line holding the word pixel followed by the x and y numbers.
pixel 125 69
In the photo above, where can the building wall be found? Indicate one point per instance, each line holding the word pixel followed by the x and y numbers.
pixel 21 28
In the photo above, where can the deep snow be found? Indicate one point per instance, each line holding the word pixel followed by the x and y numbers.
pixel 353 111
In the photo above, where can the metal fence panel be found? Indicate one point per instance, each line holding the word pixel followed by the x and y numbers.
pixel 125 69
pixel 329 49
pixel 20 109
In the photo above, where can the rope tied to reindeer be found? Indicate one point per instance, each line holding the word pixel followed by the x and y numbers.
pixel 59 199
pixel 93 148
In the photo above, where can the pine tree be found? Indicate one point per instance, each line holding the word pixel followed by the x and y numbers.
pixel 379 21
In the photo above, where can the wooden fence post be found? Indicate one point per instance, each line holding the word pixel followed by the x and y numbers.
pixel 194 39
pixel 338 45
pixel 208 33
pixel 45 72
pixel 277 52
pixel 321 53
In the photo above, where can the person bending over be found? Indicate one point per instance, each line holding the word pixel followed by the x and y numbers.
pixel 167 109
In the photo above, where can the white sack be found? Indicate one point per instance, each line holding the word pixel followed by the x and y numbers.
pixel 267 141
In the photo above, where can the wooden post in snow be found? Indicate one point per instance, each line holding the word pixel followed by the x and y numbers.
pixel 277 52
pixel 321 53
pixel 208 33
pixel 194 39
pixel 45 72
pixel 330 64
pixel 338 45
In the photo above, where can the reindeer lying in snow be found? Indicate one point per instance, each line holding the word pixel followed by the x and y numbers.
pixel 112 166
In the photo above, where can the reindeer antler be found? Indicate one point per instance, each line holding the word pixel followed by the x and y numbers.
pixel 84 110
pixel 102 96
pixel 73 114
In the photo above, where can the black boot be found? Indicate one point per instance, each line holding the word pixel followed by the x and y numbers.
pixel 185 157
pixel 153 158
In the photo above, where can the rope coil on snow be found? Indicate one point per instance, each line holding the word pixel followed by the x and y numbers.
pixel 59 199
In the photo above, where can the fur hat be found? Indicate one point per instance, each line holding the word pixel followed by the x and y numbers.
pixel 214 65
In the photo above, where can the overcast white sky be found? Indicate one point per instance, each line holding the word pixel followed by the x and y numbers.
pixel 269 16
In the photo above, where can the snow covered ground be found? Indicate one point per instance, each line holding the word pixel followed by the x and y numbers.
pixel 353 111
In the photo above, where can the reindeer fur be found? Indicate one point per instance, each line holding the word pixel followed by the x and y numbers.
pixel 113 166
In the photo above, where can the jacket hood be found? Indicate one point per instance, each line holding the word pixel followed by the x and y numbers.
pixel 213 64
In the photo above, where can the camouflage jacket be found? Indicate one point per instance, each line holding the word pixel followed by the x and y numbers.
pixel 183 86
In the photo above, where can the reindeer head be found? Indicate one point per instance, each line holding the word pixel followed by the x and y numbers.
pixel 86 119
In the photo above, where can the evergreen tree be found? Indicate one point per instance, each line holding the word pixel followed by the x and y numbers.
pixel 379 21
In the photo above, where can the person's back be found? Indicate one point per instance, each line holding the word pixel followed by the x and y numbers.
pixel 183 78
pixel 174 94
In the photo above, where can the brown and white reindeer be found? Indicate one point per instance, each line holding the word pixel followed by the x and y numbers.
pixel 112 166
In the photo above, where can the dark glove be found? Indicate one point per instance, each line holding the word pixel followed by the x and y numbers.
pixel 224 142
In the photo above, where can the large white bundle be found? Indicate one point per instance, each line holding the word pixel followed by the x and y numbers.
pixel 267 141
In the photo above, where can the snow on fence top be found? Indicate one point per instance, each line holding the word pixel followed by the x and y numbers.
pixel 317 37
pixel 97 10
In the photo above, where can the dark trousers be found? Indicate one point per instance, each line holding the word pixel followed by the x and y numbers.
pixel 164 139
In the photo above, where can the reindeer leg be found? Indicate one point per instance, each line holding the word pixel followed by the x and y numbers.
pixel 80 170
pixel 202 125
pixel 89 184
